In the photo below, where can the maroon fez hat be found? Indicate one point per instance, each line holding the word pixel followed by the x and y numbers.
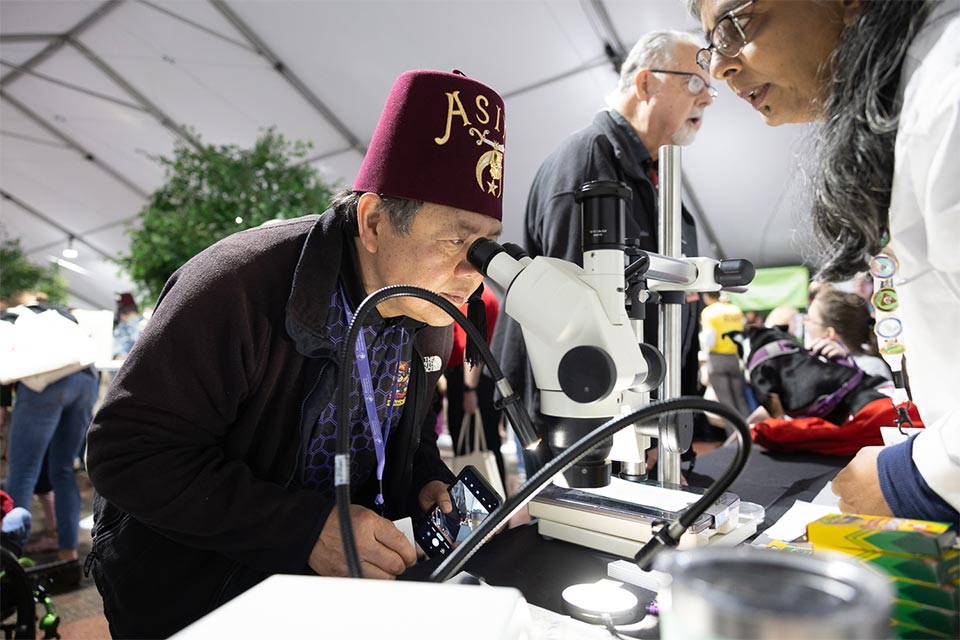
pixel 440 139
pixel 125 300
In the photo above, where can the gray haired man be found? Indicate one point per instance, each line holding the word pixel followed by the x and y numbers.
pixel 659 99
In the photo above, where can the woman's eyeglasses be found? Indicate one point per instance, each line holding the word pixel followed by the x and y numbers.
pixel 695 84
pixel 727 37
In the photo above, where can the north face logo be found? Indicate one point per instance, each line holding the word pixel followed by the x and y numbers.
pixel 432 363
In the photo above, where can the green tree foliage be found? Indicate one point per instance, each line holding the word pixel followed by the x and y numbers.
pixel 207 191
pixel 17 273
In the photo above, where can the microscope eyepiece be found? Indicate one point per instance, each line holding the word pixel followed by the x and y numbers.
pixel 603 214
pixel 603 189
pixel 515 251
pixel 481 252
pixel 734 273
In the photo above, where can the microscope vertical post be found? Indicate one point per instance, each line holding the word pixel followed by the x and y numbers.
pixel 669 225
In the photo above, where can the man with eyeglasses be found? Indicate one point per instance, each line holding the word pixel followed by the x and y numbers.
pixel 659 99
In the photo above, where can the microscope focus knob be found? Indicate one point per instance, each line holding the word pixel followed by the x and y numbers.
pixel 734 273
pixel 586 374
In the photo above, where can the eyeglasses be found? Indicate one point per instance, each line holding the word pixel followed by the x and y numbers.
pixel 808 320
pixel 695 85
pixel 727 37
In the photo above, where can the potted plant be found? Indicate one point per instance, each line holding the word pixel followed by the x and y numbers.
pixel 213 191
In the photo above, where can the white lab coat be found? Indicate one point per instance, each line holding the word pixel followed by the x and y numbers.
pixel 925 235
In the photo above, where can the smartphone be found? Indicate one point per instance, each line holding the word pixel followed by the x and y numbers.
pixel 473 499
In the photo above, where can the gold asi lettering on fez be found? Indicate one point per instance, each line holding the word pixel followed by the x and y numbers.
pixel 460 111
pixel 492 159
pixel 482 116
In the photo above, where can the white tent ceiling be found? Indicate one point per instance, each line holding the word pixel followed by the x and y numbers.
pixel 90 90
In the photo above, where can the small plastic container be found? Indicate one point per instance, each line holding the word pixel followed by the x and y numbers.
pixel 752 511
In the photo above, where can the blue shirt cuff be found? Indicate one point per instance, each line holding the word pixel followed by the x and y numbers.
pixel 906 492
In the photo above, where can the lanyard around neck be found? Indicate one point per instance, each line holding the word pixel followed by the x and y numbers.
pixel 379 433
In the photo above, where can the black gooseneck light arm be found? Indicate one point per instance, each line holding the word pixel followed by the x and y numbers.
pixel 481 254
pixel 512 404
pixel 668 535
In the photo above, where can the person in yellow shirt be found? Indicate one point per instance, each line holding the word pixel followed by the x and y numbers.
pixel 723 363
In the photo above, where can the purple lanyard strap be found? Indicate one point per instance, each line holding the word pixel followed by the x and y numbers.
pixel 379 434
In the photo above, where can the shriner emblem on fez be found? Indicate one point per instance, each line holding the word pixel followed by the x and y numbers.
pixel 489 167
pixel 492 159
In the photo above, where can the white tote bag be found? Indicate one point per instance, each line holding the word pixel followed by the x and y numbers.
pixel 41 348
pixel 480 457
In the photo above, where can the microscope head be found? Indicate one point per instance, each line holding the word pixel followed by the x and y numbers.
pixel 587 360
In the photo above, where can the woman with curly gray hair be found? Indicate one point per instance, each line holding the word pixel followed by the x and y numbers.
pixel 883 78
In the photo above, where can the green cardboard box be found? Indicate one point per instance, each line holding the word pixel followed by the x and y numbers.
pixel 884 535
pixel 945 571
pixel 934 619
pixel 902 631
pixel 925 594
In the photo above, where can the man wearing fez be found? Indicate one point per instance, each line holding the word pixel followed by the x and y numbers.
pixel 128 327
pixel 213 452
pixel 659 99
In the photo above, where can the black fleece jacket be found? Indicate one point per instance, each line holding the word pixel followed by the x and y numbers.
pixel 196 451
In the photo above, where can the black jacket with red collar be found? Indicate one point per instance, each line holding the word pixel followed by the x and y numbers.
pixel 196 451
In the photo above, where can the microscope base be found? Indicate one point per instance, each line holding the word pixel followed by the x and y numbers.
pixel 628 548
pixel 620 517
